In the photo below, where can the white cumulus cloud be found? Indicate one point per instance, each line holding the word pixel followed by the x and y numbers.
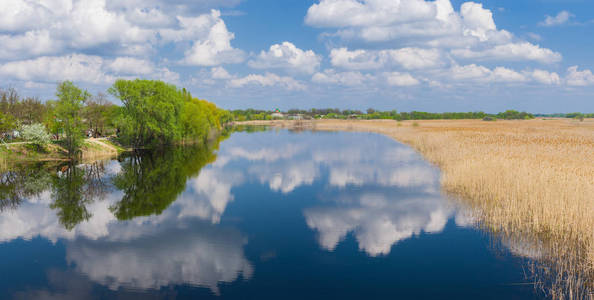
pixel 214 48
pixel 545 77
pixel 220 73
pixel 131 65
pixel 83 68
pixel 350 78
pixel 401 79
pixel 561 18
pixel 407 58
pixel 575 77
pixel 512 52
pixel 267 80
pixel 470 33
pixel 77 67
pixel 287 56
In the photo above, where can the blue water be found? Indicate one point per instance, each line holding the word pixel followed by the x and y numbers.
pixel 263 215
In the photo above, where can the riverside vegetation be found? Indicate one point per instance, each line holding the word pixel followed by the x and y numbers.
pixel 531 181
pixel 154 114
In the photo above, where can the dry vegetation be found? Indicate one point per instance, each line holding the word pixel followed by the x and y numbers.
pixel 95 149
pixel 91 150
pixel 528 179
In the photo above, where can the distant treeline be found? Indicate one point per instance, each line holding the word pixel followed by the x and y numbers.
pixel 575 115
pixel 329 113
pixel 153 114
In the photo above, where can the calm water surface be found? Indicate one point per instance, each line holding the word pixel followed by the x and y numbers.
pixel 264 215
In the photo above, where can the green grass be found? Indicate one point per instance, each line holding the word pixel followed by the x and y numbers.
pixel 91 146
pixel 115 145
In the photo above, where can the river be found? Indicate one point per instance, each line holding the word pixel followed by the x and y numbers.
pixel 271 214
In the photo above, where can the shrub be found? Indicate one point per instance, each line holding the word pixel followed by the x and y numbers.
pixel 36 134
pixel 489 119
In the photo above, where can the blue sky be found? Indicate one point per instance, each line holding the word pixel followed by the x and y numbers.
pixel 443 55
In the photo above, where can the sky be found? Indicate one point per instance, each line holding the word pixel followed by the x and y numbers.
pixel 443 55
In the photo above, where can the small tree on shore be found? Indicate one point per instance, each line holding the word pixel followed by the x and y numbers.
pixel 36 134
pixel 68 110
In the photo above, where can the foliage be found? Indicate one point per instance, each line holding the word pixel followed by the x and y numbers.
pixel 251 114
pixel 68 115
pixel 155 113
pixel 36 134
pixel 21 182
pixel 225 116
pixel 514 115
pixel 7 123
pixel 194 121
pixel 152 181
pixel 151 111
pixel 97 112
pixel 26 110
pixel 69 197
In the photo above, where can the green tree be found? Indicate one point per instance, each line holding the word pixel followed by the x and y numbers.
pixel 194 121
pixel 159 114
pixel 97 113
pixel 152 181
pixel 22 182
pixel 68 113
pixel 51 120
pixel 7 124
pixel 151 111
pixel 36 134
pixel 69 197
pixel 225 117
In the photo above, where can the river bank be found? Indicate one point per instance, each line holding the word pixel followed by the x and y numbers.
pixel 532 180
pixel 93 148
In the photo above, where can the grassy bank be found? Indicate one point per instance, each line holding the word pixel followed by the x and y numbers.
pixel 529 179
pixel 25 152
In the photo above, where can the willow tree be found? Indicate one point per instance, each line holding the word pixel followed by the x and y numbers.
pixel 194 121
pixel 155 113
pixel 151 111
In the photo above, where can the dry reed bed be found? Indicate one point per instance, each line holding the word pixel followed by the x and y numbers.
pixel 532 178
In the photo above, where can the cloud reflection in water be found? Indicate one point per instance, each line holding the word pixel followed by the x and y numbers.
pixel 378 190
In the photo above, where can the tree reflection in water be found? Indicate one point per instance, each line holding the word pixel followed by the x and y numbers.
pixel 152 181
pixel 22 182
pixel 69 198
pixel 149 180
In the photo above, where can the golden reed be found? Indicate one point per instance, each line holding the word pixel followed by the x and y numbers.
pixel 529 180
